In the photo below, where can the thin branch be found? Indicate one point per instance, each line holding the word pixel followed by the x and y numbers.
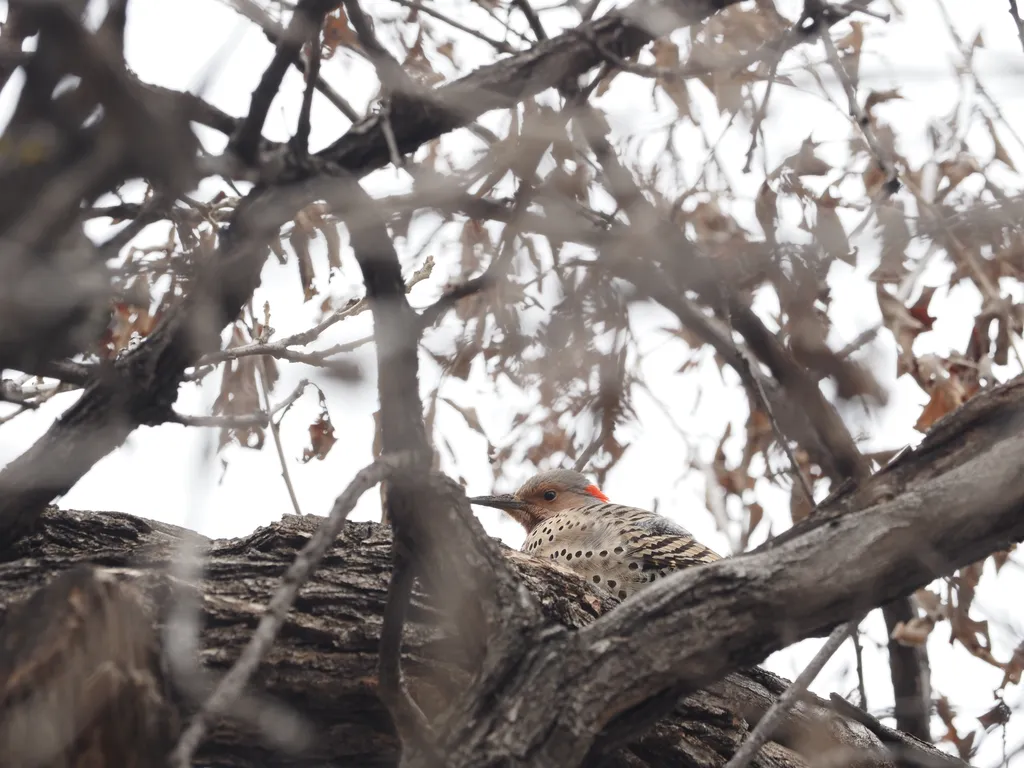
pixel 275 431
pixel 392 77
pixel 588 453
pixel 499 45
pixel 301 140
pixel 1015 15
pixel 780 436
pixel 532 18
pixel 773 717
pixel 450 298
pixel 259 419
pixel 881 156
pixel 762 112
pixel 234 682
pixel 308 16
pixel 274 33
pixel 410 723
pixel 862 689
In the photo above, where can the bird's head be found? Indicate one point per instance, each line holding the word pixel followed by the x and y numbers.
pixel 544 495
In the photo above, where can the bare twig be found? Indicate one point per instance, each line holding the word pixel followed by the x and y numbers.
pixel 588 453
pixel 275 431
pixel 499 45
pixel 857 111
pixel 1015 15
pixel 762 110
pixel 862 690
pixel 233 683
pixel 260 419
pixel 773 717
pixel 780 436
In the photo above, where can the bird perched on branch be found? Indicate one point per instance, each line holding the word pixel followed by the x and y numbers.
pixel 568 520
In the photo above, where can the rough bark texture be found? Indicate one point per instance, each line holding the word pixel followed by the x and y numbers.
pixel 324 664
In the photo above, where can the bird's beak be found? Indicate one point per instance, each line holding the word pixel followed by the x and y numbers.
pixel 505 501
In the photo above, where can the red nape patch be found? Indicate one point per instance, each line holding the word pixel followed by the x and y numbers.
pixel 594 491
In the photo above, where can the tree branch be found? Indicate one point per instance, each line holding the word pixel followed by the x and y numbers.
pixel 952 501
pixel 306 20
pixel 323 664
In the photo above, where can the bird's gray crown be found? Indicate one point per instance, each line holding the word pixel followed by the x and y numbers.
pixel 568 479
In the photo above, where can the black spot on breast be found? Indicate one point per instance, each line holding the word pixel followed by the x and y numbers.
pixel 604 553
pixel 569 556
pixel 551 538
pixel 590 554
pixel 619 550
pixel 597 579
pixel 579 553
pixel 611 583
pixel 622 594
pixel 633 566
pixel 562 552
pixel 561 527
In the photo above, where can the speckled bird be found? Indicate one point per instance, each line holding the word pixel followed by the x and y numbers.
pixel 570 521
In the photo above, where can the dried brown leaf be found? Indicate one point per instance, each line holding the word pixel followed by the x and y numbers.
pixel 954 172
pixel 905 327
pixel 1000 151
pixel 337 33
pixel 1000 558
pixel 805 162
pixel 799 505
pixel 299 240
pixel 766 208
pixel 321 435
pixel 895 238
pixel 755 514
pixel 467 413
pixel 946 397
pixel 914 632
pixel 1013 669
pixel 998 715
pixel 880 97
pixel 829 233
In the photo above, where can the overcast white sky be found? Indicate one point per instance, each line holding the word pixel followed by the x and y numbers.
pixel 172 474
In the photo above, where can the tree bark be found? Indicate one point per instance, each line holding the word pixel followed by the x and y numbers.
pixel 324 664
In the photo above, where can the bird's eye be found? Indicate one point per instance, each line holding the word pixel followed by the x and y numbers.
pixel 549 495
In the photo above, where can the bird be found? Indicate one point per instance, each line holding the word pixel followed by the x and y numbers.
pixel 620 549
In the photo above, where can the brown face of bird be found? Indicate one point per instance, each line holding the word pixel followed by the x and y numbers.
pixel 544 496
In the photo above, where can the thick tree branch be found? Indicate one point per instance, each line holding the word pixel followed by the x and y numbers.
pixel 957 498
pixel 323 663
pixel 505 83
